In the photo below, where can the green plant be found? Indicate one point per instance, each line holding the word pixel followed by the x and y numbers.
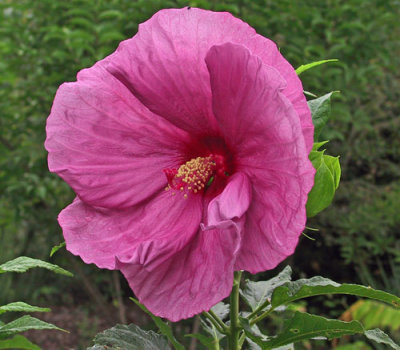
pixel 9 332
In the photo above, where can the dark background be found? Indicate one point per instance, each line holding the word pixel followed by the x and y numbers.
pixel 46 42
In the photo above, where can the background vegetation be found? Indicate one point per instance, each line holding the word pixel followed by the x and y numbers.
pixel 44 43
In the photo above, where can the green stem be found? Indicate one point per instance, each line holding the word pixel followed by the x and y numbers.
pixel 257 310
pixel 215 323
pixel 233 337
pixel 242 338
pixel 219 321
pixel 261 317
pixel 216 345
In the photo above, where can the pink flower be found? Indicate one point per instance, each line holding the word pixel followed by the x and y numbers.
pixel 188 151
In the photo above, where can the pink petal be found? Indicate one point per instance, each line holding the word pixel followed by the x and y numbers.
pixel 192 280
pixel 163 65
pixel 270 55
pixel 282 176
pixel 275 220
pixel 241 87
pixel 105 144
pixel 264 130
pixel 231 204
pixel 98 235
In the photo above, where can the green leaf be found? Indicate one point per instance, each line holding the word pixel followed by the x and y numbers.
pixel 326 181
pixel 56 248
pixel 257 294
pixel 318 145
pixel 18 342
pixel 305 288
pixel 379 336
pixel 80 22
pixel 23 264
pixel 110 36
pixel 20 306
pixel 129 337
pixel 162 326
pixel 333 165
pixel 320 112
pixel 251 345
pixel 110 14
pixel 304 326
pixel 308 93
pixel 253 333
pixel 25 323
pixel 308 66
pixel 78 12
pixel 254 336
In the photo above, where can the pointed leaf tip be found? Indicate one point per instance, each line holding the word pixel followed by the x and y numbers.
pixel 23 264
pixel 57 248
pixel 308 66
pixel 20 306
pixel 25 323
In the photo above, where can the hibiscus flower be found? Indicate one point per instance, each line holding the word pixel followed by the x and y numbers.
pixel 188 151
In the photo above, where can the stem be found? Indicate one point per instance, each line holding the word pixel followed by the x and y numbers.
pixel 257 310
pixel 233 338
pixel 219 321
pixel 242 338
pixel 216 345
pixel 215 323
pixel 261 317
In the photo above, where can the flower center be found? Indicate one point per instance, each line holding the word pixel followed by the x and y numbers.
pixel 196 174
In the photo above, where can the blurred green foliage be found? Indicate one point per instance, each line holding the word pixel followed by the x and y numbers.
pixel 44 43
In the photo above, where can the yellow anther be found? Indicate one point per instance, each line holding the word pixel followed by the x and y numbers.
pixel 195 173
